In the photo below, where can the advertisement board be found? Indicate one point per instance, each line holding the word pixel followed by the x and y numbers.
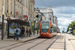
pixel 11 28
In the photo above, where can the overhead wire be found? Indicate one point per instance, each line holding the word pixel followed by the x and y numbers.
pixel 43 3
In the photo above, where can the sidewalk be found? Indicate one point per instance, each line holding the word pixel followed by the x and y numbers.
pixel 71 40
pixel 10 42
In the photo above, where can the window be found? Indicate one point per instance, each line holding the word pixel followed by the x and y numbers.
pixel 45 26
pixel 11 6
pixel 7 6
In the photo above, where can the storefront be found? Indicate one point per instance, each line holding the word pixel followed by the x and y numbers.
pixel 12 23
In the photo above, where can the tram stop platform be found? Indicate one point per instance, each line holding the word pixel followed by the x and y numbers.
pixel 9 42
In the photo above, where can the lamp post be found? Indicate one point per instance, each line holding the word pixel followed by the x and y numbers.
pixel 2 20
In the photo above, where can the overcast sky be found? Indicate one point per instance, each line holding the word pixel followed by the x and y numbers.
pixel 63 9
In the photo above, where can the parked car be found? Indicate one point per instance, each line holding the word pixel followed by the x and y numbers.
pixel 69 32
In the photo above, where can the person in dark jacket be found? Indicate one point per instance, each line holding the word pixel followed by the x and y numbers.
pixel 29 32
pixel 22 32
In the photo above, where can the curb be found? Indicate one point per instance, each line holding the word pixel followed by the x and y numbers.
pixel 27 40
pixel 71 39
pixel 20 42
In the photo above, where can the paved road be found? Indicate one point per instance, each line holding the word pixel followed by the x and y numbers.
pixel 55 43
pixel 37 44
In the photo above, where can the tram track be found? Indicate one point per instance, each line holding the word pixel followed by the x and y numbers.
pixel 43 42
pixel 29 42
pixel 53 42
pixel 36 42
pixel 24 43
pixel 59 43
pixel 64 42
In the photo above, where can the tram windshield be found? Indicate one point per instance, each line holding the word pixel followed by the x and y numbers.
pixel 45 26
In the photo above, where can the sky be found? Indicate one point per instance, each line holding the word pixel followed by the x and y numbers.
pixel 63 9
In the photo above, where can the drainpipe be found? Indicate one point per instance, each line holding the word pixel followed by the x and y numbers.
pixel 2 19
pixel 14 8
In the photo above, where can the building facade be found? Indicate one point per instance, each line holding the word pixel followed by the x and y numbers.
pixel 41 16
pixel 48 13
pixel 18 8
pixel 55 21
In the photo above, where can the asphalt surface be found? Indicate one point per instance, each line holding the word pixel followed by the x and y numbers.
pixel 37 44
pixel 40 44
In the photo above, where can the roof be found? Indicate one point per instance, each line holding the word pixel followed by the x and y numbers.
pixel 20 21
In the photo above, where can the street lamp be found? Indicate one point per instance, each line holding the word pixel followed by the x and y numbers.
pixel 2 19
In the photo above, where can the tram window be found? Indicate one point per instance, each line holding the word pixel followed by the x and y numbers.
pixel 45 26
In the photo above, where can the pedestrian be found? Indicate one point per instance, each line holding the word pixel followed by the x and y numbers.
pixel 14 33
pixel 29 32
pixel 22 32
pixel 18 31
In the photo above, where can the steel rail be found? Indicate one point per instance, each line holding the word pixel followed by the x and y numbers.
pixel 53 42
pixel 64 41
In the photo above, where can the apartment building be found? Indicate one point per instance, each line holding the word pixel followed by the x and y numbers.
pixel 55 21
pixel 18 8
pixel 48 13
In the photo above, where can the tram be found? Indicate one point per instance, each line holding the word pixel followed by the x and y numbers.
pixel 47 29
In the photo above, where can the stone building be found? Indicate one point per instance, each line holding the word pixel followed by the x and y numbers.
pixel 48 13
pixel 55 21
pixel 17 9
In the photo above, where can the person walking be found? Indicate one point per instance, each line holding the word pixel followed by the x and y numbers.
pixel 29 31
pixel 18 31
pixel 14 33
pixel 22 32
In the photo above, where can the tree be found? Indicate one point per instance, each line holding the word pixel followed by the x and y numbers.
pixel 71 25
